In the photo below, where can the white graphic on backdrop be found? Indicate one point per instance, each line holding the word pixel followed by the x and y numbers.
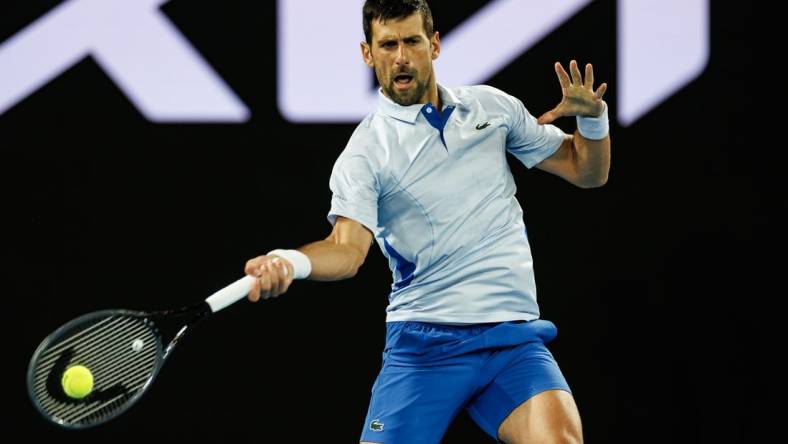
pixel 662 46
pixel 135 44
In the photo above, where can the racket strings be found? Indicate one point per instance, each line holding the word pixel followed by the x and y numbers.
pixel 107 355
pixel 89 338
pixel 121 351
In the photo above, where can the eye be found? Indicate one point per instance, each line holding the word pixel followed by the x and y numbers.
pixel 389 44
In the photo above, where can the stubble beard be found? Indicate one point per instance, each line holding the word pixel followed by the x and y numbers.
pixel 409 97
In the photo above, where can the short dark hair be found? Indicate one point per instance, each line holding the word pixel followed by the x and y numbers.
pixel 384 10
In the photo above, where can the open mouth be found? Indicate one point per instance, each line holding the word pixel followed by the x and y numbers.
pixel 403 80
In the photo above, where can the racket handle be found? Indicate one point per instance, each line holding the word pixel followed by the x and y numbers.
pixel 230 294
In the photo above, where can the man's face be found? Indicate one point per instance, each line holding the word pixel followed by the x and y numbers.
pixel 402 56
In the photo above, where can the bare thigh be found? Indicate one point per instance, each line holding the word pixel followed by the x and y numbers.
pixel 548 417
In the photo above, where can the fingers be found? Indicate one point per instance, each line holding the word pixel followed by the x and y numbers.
pixel 254 293
pixel 274 276
pixel 278 277
pixel 589 83
pixel 287 273
pixel 577 79
pixel 265 281
pixel 579 97
pixel 252 266
pixel 563 77
pixel 601 90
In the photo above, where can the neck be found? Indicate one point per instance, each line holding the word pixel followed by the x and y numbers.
pixel 432 95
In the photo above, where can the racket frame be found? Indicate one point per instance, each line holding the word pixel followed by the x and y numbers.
pixel 194 313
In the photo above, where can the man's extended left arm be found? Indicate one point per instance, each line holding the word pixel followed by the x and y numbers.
pixel 583 159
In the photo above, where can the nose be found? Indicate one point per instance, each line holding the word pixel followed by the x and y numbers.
pixel 402 56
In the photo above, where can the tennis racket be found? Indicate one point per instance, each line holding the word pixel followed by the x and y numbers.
pixel 124 350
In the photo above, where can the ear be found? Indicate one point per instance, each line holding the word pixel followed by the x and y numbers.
pixel 435 41
pixel 366 53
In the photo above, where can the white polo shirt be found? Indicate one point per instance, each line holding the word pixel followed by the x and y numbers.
pixel 437 193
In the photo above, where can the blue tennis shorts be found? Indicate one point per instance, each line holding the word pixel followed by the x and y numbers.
pixel 431 371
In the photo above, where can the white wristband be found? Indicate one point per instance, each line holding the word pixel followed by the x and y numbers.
pixel 302 267
pixel 594 128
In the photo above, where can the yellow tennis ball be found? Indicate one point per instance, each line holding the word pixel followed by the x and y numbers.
pixel 77 381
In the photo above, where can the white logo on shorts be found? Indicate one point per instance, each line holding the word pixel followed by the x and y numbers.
pixel 376 426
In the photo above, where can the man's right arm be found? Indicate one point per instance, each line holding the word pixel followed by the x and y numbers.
pixel 339 256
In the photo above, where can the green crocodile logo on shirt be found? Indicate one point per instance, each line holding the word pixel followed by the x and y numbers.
pixel 376 425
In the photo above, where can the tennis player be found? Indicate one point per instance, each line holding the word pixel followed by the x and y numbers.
pixel 425 176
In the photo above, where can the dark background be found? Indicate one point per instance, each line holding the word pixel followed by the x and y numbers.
pixel 655 281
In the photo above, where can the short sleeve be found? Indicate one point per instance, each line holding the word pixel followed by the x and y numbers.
pixel 355 191
pixel 528 141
